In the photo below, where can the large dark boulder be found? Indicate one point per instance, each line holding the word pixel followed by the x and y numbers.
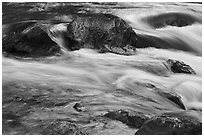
pixel 180 67
pixel 29 39
pixel 168 124
pixel 104 32
pixel 133 120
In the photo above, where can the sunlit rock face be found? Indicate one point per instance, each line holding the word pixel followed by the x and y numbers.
pixel 104 32
pixel 29 39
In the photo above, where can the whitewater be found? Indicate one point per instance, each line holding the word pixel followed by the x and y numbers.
pixel 108 81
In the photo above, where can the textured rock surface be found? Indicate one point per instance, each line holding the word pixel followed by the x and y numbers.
pixel 104 32
pixel 29 39
pixel 134 120
pixel 180 67
pixel 61 127
pixel 170 125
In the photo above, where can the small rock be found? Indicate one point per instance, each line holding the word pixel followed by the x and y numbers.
pixel 79 107
pixel 180 67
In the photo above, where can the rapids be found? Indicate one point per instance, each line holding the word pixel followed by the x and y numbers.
pixel 109 81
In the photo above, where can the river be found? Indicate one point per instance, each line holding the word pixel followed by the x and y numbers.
pixel 105 82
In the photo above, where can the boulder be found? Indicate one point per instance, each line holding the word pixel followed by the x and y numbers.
pixel 180 67
pixel 29 39
pixel 168 124
pixel 104 32
pixel 133 120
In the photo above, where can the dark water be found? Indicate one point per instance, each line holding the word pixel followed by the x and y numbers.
pixel 37 91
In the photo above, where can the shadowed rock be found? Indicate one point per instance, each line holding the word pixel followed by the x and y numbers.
pixel 180 67
pixel 104 32
pixel 168 124
pixel 136 120
pixel 29 39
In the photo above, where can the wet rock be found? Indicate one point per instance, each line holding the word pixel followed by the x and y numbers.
pixel 104 32
pixel 180 67
pixel 79 107
pixel 168 124
pixel 62 127
pixel 29 39
pixel 172 97
pixel 136 120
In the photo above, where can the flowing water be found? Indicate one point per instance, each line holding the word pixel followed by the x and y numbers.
pixel 105 82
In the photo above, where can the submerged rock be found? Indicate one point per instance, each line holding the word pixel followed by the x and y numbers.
pixel 172 19
pixel 173 97
pixel 104 32
pixel 136 120
pixel 180 67
pixel 62 127
pixel 168 124
pixel 29 39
